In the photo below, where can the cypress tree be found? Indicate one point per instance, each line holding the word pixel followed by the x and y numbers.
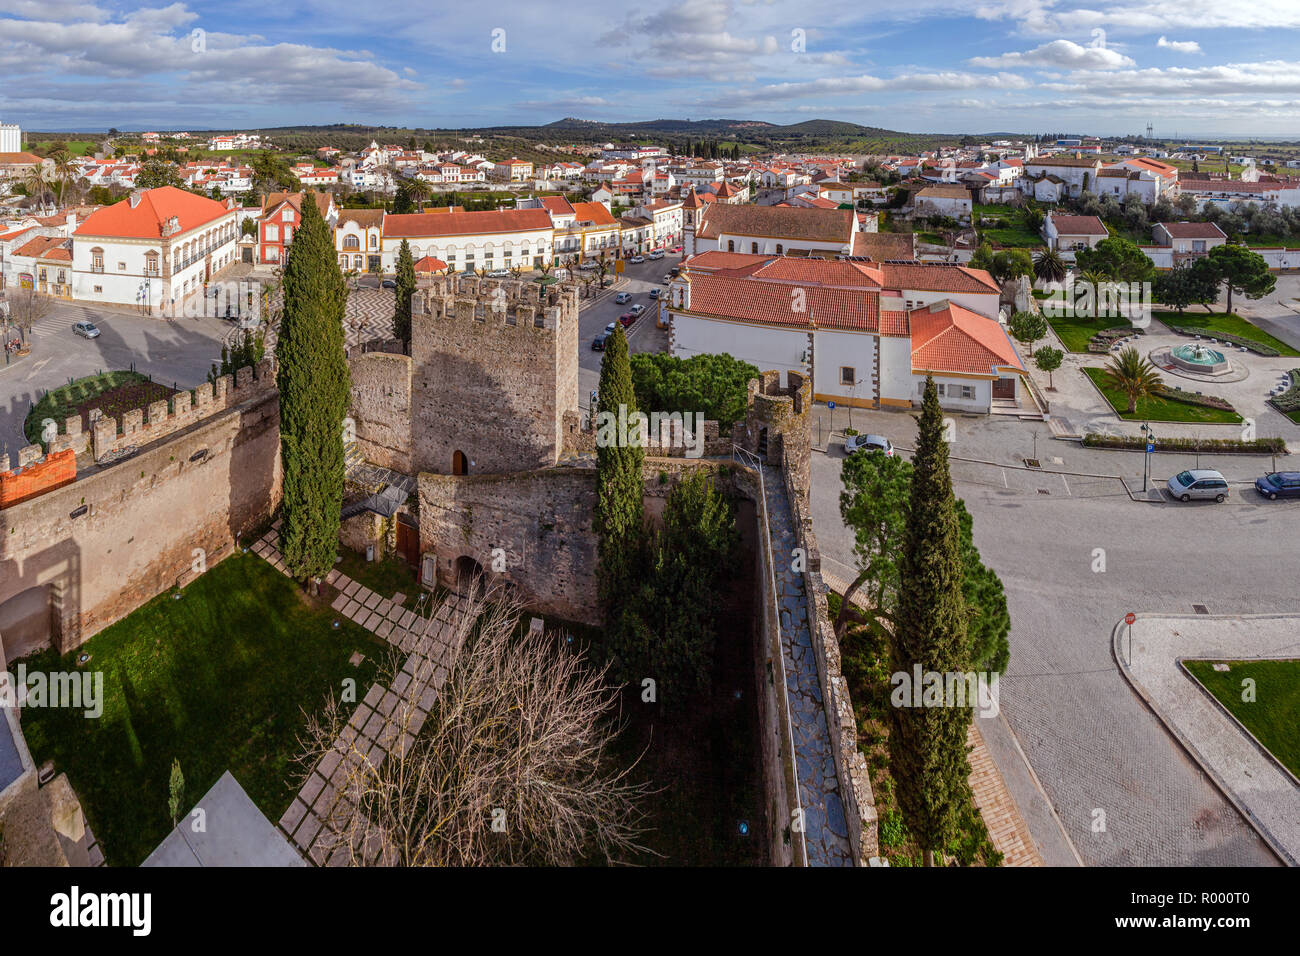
pixel 619 483
pixel 928 743
pixel 405 280
pixel 314 385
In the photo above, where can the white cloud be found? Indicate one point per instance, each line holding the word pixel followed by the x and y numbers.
pixel 1059 53
pixel 1179 46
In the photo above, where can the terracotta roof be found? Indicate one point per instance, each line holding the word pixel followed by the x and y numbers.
pixel 271 200
pixel 1079 226
pixel 46 247
pixel 557 206
pixel 787 222
pixel 146 219
pixel 747 299
pixel 1192 230
pixel 594 212
pixel 362 217
pixel 943 191
pixel 880 246
pixel 1061 161
pixel 429 264
pixel 19 159
pixel 949 338
pixel 937 277
pixel 417 225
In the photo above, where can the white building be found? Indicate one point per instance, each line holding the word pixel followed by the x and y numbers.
pixel 155 249
pixel 1076 174
pixel 1068 234
pixel 11 138
pixel 772 230
pixel 492 240
pixel 866 333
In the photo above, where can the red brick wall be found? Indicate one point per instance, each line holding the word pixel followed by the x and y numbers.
pixel 58 469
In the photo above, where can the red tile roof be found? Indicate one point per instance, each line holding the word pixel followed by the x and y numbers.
pixel 937 277
pixel 594 212
pixel 557 206
pixel 949 338
pixel 773 303
pixel 429 264
pixel 46 247
pixel 419 225
pixel 1192 230
pixel 146 219
pixel 1079 226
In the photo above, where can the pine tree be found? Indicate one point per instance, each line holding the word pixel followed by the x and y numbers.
pixel 928 743
pixel 405 291
pixel 619 483
pixel 314 386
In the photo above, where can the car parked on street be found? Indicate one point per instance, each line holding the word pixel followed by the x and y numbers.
pixel 609 329
pixel 654 293
pixel 657 254
pixel 627 318
pixel 598 343
pixel 623 297
pixel 86 330
pixel 637 260
pixel 1279 484
pixel 868 443
pixel 676 250
pixel 637 309
pixel 1200 483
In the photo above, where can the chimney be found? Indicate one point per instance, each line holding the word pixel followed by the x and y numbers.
pixel 135 197
pixel 72 223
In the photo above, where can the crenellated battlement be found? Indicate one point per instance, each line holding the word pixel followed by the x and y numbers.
pixel 498 303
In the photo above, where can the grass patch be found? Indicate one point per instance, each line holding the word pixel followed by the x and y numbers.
pixel 216 680
pixel 1274 716
pixel 1229 323
pixel 111 392
pixel 385 576
pixel 1075 331
pixel 1159 409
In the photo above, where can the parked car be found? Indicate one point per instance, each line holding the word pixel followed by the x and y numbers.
pixel 85 330
pixel 498 274
pixel 1204 483
pixel 868 443
pixel 637 260
pixel 637 309
pixel 623 297
pixel 657 254
pixel 676 250
pixel 609 329
pixel 667 279
pixel 627 318
pixel 388 284
pixel 675 271
pixel 654 293
pixel 1279 484
pixel 598 343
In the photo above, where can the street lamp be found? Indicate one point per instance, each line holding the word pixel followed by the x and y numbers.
pixel 1150 447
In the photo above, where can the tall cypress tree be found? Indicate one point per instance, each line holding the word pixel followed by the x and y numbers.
pixel 619 483
pixel 405 280
pixel 314 386
pixel 928 743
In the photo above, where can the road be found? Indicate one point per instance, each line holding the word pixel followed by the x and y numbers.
pixel 1073 561
pixel 180 350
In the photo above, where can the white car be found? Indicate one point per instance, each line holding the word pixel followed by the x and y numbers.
pixel 637 309
pixel 637 260
pixel 622 297
pixel 657 254
pixel 868 443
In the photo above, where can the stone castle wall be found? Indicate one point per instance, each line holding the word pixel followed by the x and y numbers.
pixel 125 532
pixel 380 409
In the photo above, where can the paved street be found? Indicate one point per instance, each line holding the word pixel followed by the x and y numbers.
pixel 180 350
pixel 1100 755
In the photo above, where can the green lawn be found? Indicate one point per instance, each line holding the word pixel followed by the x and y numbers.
pixel 1274 716
pixel 1075 331
pixel 77 147
pixel 1159 409
pixel 1228 322
pixel 217 680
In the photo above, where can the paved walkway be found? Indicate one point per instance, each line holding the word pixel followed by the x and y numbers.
pixel 1007 829
pixel 826 829
pixel 1262 790
pixel 389 716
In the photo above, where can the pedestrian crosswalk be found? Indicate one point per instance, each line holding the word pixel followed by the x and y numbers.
pixel 61 322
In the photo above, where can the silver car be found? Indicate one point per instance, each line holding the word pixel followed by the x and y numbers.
pixel 1198 483
pixel 868 443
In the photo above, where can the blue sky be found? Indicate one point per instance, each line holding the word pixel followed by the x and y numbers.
pixel 1190 67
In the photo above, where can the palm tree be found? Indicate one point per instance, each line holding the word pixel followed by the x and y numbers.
pixel 1049 266
pixel 418 190
pixel 37 186
pixel 1133 376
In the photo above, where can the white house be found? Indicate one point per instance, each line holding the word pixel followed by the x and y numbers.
pixel 943 199
pixel 772 230
pixel 1067 234
pixel 491 240
pixel 1075 175
pixel 864 333
pixel 154 249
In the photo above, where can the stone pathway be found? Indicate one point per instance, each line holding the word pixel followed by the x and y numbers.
pixel 826 829
pixel 367 318
pixel 1260 787
pixel 1007 829
pixel 388 717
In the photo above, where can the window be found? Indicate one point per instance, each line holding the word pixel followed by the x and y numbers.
pixel 753 248
pixel 374 241
pixel 99 288
pixel 968 392
pixel 731 246
pixel 351 242
pixel 272 232
pixel 288 215
pixel 97 260
pixel 780 249
pixel 848 375
pixel 121 267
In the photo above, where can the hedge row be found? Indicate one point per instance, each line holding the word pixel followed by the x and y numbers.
pixel 1191 398
pixel 1289 401
pixel 1257 347
pixel 1262 446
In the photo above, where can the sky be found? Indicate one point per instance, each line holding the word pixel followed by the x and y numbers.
pixel 1190 68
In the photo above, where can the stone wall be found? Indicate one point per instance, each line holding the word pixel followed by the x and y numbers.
pixel 125 532
pixel 494 370
pixel 380 409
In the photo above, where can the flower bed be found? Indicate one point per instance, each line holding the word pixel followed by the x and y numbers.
pixel 1289 401
pixel 1257 347
pixel 1191 398
pixel 1255 446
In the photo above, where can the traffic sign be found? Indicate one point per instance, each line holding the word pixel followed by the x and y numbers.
pixel 1130 617
pixel 830 404
pixel 1151 446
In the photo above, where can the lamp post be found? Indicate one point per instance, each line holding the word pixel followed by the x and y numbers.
pixel 1150 447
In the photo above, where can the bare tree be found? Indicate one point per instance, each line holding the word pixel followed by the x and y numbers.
pixel 26 308
pixel 496 752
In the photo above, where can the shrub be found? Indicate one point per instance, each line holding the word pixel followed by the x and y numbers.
pixel 1257 347
pixel 1262 446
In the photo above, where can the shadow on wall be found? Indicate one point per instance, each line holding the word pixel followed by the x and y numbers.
pixel 40 600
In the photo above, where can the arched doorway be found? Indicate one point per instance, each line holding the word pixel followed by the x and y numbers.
pixel 26 622
pixel 469 578
pixel 459 463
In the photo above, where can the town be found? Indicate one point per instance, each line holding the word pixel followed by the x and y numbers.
pixel 675 492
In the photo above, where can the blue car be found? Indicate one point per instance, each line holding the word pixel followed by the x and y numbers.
pixel 1280 484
